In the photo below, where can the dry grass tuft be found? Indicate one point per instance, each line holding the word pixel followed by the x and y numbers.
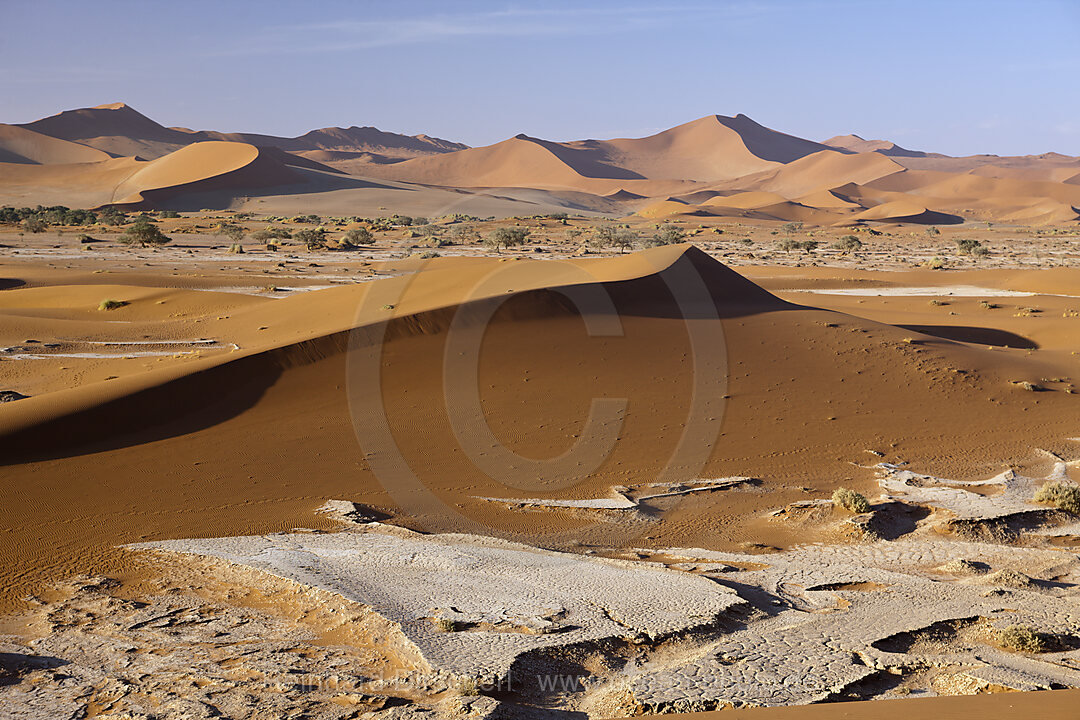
pixel 850 500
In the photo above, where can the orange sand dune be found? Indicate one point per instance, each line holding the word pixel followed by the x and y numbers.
pixel 1044 705
pixel 201 167
pixel 19 145
pixel 821 171
pixel 856 144
pixel 827 200
pixel 710 148
pixel 792 388
pixel 114 128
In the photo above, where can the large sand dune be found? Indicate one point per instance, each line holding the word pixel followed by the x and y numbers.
pixel 252 440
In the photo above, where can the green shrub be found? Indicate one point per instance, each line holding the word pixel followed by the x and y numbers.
pixel 669 235
pixel 848 243
pixel 505 237
pixel 1021 638
pixel 312 238
pixel 112 216
pixel 232 231
pixel 445 624
pixel 967 245
pixel 789 244
pixel 850 500
pixel 34 225
pixel 168 214
pixel 1063 495
pixel 143 234
pixel 111 304
pixel 791 227
pixel 360 236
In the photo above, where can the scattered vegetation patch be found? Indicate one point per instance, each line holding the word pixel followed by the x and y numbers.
pixel 1059 494
pixel 1021 638
pixel 850 501
pixel 444 624
pixel 848 243
pixel 111 304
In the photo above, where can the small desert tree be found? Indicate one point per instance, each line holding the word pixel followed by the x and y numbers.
pixel 968 246
pixel 505 237
pixel 312 238
pixel 624 239
pixel 359 236
pixel 143 234
pixel 34 225
pixel 848 243
pixel 232 231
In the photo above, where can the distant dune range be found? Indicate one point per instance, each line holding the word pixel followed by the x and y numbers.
pixel 716 166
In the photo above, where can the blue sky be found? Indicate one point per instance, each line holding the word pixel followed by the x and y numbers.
pixel 948 76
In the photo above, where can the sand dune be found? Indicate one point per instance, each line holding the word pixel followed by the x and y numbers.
pixel 287 382
pixel 856 144
pixel 201 167
pixel 19 145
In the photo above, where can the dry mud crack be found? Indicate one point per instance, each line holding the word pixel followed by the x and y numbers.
pixel 454 626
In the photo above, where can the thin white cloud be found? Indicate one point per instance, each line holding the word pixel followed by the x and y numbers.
pixel 349 34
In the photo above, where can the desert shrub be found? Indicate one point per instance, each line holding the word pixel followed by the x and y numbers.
pixel 1021 638
pixel 967 246
pixel 791 227
pixel 505 237
pixel 34 225
pixel 426 229
pixel 402 220
pixel 573 234
pixel 445 624
pixel 232 231
pixel 669 235
pixel 143 234
pixel 271 233
pixel 312 238
pixel 307 219
pixel 789 244
pixel 168 214
pixel 110 304
pixel 980 252
pixel 236 249
pixel 624 239
pixel 463 234
pixel 360 236
pixel 850 500
pixel 1063 495
pixel 112 216
pixel 932 231
pixel 419 221
pixel 934 263
pixel 86 239
pixel 848 243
